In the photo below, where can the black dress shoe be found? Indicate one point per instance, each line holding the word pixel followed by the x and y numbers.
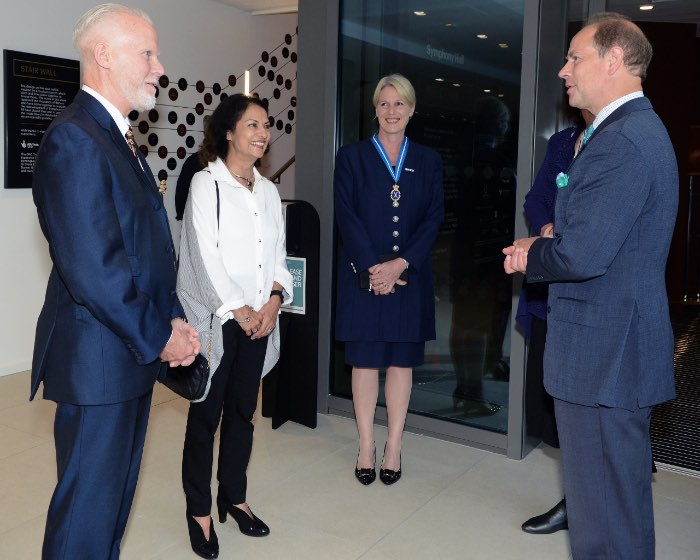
pixel 250 526
pixel 366 476
pixel 387 476
pixel 551 522
pixel 201 546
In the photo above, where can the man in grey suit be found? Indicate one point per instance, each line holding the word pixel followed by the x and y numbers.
pixel 609 351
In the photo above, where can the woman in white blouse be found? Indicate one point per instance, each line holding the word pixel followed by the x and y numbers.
pixel 232 280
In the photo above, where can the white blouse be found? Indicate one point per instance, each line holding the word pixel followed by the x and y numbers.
pixel 245 253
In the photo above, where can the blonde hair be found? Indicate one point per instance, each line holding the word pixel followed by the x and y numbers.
pixel 99 13
pixel 402 86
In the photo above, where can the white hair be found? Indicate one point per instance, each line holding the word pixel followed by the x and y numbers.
pixel 99 13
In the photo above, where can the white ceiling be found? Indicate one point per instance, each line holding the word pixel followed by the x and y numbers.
pixel 262 7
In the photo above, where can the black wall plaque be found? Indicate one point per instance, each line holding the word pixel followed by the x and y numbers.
pixel 37 89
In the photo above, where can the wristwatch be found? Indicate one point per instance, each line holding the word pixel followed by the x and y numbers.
pixel 277 293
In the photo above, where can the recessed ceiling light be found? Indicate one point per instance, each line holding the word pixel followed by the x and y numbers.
pixel 449 25
pixel 482 36
pixel 487 91
pixel 439 79
pixel 420 13
pixel 503 45
pixel 501 95
pixel 645 7
pixel 457 85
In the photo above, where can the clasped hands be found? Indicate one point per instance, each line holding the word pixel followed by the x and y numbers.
pixel 183 346
pixel 385 275
pixel 257 324
pixel 516 254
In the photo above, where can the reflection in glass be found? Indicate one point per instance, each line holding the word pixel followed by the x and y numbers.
pixel 468 89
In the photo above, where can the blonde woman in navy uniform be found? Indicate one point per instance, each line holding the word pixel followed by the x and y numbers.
pixel 388 206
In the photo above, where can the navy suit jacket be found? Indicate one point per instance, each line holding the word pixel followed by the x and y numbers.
pixel 609 337
pixel 370 227
pixel 111 293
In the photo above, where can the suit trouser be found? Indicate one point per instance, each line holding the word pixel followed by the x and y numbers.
pixel 606 453
pixel 98 455
pixel 233 391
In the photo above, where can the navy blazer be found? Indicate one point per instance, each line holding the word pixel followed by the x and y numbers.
pixel 111 293
pixel 609 337
pixel 370 227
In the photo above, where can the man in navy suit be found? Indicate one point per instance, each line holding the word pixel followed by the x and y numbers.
pixel 609 351
pixel 111 320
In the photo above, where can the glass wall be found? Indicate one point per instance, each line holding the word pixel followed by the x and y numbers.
pixel 464 60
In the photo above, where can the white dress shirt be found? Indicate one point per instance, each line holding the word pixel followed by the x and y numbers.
pixel 245 253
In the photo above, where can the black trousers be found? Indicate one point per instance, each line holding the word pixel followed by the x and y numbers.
pixel 232 399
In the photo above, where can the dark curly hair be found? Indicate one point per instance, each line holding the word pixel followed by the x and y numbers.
pixel 224 118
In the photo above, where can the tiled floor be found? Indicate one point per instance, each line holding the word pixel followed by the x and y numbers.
pixel 453 502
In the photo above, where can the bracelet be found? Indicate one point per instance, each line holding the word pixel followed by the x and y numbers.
pixel 277 293
pixel 246 320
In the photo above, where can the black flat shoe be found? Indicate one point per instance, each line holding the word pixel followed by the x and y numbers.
pixel 387 476
pixel 366 476
pixel 551 522
pixel 252 527
pixel 200 546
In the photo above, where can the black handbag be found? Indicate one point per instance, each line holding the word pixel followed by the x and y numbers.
pixel 190 382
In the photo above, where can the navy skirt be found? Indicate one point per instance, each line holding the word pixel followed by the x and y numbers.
pixel 375 355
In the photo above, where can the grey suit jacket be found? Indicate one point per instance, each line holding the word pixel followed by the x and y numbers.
pixel 609 339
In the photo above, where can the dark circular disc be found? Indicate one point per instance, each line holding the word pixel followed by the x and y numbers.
pixel 279 79
pixel 163 81
pixel 162 175
pixel 216 88
pixel 288 83
pixel 162 152
pixel 181 130
pixel 133 115
pixel 172 163
pixel 153 115
pixel 293 101
pixel 172 94
pixel 288 128
pixel 279 125
pixel 144 150
pixel 200 86
pixel 232 80
pixel 294 57
pixel 265 56
pixel 223 96
pixel 153 139
pixel 266 102
pixel 189 142
pixel 288 39
pixel 270 75
pixel 182 84
pixel 157 94
pixel 256 95
pixel 285 52
pixel 207 98
pixel 261 70
pixel 273 61
pixel 199 109
pixel 172 117
pixel 271 120
pixel 143 127
pixel 181 152
pixel 276 93
pixel 290 115
pixel 189 119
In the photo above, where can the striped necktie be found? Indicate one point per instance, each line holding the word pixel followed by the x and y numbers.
pixel 129 134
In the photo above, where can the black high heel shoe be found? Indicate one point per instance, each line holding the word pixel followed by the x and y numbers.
pixel 201 546
pixel 366 476
pixel 387 476
pixel 252 527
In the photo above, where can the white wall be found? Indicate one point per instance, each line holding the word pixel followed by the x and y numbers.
pixel 199 40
